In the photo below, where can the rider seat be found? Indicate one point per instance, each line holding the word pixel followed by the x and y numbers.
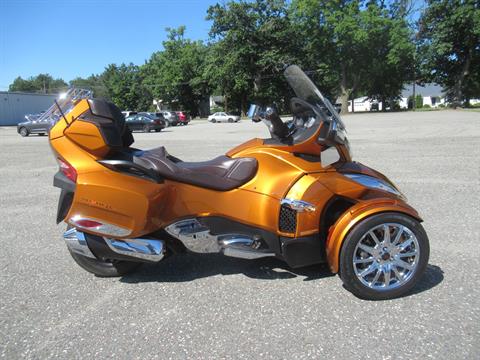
pixel 221 174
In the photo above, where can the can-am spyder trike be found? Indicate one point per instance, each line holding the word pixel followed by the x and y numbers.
pixel 296 196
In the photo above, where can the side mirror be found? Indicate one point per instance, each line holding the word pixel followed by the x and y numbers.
pixel 256 113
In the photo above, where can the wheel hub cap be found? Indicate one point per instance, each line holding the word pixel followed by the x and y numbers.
pixel 386 256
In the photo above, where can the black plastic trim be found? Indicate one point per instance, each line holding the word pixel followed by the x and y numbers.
pixel 66 195
pixel 303 251
pixel 62 182
pixel 334 208
pixel 64 203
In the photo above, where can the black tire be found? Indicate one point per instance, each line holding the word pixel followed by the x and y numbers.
pixel 101 268
pixel 230 120
pixel 23 131
pixel 41 134
pixel 146 128
pixel 214 121
pixel 158 130
pixel 347 272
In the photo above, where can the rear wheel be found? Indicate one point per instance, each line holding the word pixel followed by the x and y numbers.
pixel 384 256
pixel 41 134
pixel 110 268
pixel 107 268
pixel 230 120
pixel 23 131
pixel 158 130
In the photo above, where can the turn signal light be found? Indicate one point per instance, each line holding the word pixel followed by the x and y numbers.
pixel 68 170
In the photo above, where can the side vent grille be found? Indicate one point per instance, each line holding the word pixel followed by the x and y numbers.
pixel 288 220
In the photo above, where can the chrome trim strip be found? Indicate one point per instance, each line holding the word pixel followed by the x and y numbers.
pixel 105 228
pixel 75 241
pixel 298 205
pixel 195 236
pixel 145 249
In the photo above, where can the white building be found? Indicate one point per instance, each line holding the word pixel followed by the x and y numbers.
pixel 432 95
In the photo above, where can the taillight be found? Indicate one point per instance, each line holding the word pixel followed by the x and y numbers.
pixel 86 223
pixel 98 226
pixel 68 170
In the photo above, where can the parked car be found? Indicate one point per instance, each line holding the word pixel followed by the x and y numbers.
pixel 171 117
pixel 183 118
pixel 128 113
pixel 145 122
pixel 33 125
pixel 223 117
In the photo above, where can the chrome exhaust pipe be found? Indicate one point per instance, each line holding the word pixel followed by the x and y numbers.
pixel 145 249
pixel 150 250
pixel 241 247
pixel 76 242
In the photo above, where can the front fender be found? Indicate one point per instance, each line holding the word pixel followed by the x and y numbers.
pixel 339 231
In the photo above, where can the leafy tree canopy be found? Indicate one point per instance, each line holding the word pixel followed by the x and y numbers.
pixel 43 83
pixel 450 47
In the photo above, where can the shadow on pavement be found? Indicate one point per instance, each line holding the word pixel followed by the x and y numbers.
pixel 432 277
pixel 189 267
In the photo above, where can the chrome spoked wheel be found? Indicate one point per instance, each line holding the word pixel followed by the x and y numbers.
pixel 386 257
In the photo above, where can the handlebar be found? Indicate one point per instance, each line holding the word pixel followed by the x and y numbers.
pixel 279 128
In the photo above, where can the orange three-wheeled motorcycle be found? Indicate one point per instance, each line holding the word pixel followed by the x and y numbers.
pixel 297 196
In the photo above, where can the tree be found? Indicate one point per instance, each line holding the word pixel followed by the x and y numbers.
pixel 359 46
pixel 175 75
pixel 124 86
pixel 94 83
pixel 253 42
pixel 450 47
pixel 43 83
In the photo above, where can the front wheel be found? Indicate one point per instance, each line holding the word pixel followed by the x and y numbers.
pixel 23 132
pixel 146 128
pixel 384 256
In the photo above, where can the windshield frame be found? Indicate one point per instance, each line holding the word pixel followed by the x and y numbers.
pixel 305 89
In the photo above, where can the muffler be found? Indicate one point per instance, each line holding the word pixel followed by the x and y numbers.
pixel 147 250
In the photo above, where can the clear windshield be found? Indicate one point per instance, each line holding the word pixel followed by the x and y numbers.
pixel 306 90
pixel 64 104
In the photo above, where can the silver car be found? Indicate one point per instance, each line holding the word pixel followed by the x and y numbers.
pixel 223 117
pixel 171 117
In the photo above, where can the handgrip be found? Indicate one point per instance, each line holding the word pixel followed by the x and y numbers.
pixel 280 129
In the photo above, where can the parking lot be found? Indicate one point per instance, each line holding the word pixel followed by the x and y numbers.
pixel 210 306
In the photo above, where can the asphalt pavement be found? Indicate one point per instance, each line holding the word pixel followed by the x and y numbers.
pixel 213 307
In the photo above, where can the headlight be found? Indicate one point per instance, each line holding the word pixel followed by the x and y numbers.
pixel 373 183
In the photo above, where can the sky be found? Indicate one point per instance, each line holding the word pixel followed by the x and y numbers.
pixel 73 38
